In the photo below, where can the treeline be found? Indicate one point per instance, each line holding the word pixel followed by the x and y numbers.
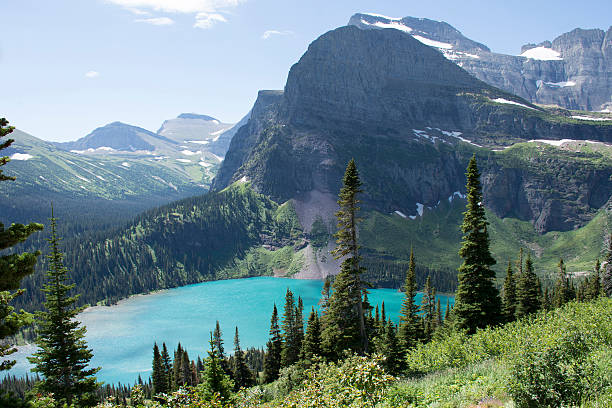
pixel 185 242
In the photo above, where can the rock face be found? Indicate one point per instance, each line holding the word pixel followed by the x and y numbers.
pixel 411 119
pixel 574 71
pixel 201 131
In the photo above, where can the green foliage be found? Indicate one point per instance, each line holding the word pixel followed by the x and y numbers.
pixel 242 376
pixel 63 357
pixel 410 324
pixel 13 267
pixel 509 295
pixel 292 343
pixel 343 322
pixel 528 291
pixel 215 383
pixel 477 302
pixel 319 233
pixel 272 362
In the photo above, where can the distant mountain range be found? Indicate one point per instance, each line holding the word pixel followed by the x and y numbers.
pixel 574 71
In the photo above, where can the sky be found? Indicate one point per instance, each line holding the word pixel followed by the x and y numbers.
pixel 70 66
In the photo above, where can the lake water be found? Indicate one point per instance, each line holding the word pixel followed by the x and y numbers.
pixel 122 335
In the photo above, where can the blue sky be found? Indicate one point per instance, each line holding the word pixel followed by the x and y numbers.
pixel 69 66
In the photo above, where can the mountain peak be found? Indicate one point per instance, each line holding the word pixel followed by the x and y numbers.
pixel 196 116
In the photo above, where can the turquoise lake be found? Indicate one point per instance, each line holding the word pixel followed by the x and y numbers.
pixel 122 335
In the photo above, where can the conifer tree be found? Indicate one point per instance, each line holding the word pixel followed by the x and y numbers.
pixel 166 367
pixel 428 309
pixel 214 380
pixel 272 360
pixel 311 346
pixel 325 295
pixel 562 291
pixel 13 267
pixel 186 378
pixel 218 339
pixel 160 382
pixel 509 295
pixel 409 324
pixel 177 378
pixel 593 286
pixel 242 376
pixel 344 322
pixel 290 352
pixel 477 302
pixel 607 275
pixel 63 357
pixel 390 348
pixel 528 291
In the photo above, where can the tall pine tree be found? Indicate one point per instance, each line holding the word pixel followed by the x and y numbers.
pixel 409 324
pixel 215 382
pixel 63 357
pixel 158 375
pixel 241 374
pixel 562 290
pixel 607 275
pixel 291 338
pixel 428 310
pixel 166 367
pixel 528 291
pixel 509 295
pixel 13 267
pixel 311 346
pixel 344 321
pixel 272 360
pixel 477 302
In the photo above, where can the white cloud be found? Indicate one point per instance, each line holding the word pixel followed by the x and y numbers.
pixel 179 6
pixel 138 12
pixel 269 33
pixel 92 74
pixel 159 21
pixel 207 20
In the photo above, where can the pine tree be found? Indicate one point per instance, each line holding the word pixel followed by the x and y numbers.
pixel 607 275
pixel 344 322
pixel 242 376
pixel 562 291
pixel 218 339
pixel 13 267
pixel 593 287
pixel 166 367
pixel 160 382
pixel 177 378
pixel 409 325
pixel 186 378
pixel 215 382
pixel 272 361
pixel 311 346
pixel 477 302
pixel 299 323
pixel 290 352
pixel 509 295
pixel 388 346
pixel 528 291
pixel 325 295
pixel 428 310
pixel 63 357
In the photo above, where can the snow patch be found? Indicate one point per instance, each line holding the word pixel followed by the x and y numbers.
pixel 560 84
pixel 100 177
pixel 401 214
pixel 542 54
pixel 433 43
pixel 218 132
pixel 165 182
pixel 453 55
pixel 590 118
pixel 381 16
pixel 218 157
pixel 202 142
pixel 204 164
pixel 506 101
pixel 42 178
pixel 419 209
pixel 125 164
pixel 455 194
pixel 395 25
pixel 83 178
pixel 190 153
pixel 21 156
pixel 563 141
pixel 183 160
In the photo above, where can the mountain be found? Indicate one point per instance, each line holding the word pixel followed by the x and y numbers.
pixel 118 136
pixel 84 187
pixel 574 71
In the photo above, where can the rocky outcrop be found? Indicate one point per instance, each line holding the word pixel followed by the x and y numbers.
pixel 573 71
pixel 411 119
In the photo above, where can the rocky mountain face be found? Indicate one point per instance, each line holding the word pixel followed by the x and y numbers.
pixel 574 71
pixel 202 131
pixel 411 119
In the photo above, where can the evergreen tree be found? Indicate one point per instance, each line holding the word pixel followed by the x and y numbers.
pixel 177 378
pixel 186 378
pixel 390 348
pixel 607 275
pixel 299 323
pixel 325 295
pixel 214 380
pixel 242 376
pixel 428 310
pixel 528 291
pixel 63 357
pixel 593 288
pixel 562 291
pixel 311 346
pixel 290 352
pixel 166 367
pixel 160 382
pixel 509 294
pixel 272 361
pixel 344 322
pixel 13 267
pixel 477 302
pixel 409 324
pixel 218 339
